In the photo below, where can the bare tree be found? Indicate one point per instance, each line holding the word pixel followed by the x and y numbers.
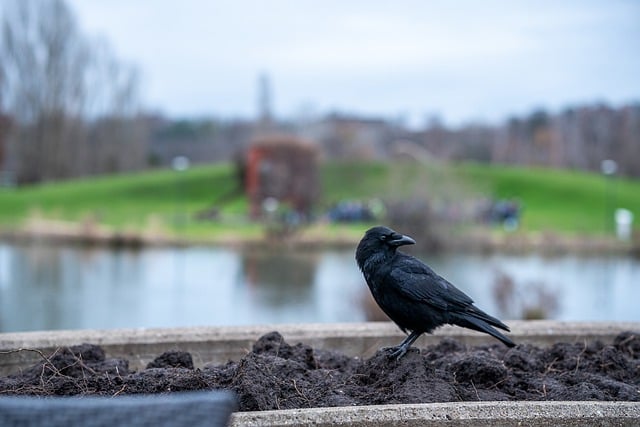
pixel 54 82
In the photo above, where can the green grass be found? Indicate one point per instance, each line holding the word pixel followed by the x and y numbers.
pixel 352 180
pixel 558 200
pixel 555 200
pixel 125 200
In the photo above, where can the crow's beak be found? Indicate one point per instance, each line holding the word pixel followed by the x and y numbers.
pixel 400 240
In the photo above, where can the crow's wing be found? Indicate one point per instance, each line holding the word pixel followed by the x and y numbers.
pixel 416 281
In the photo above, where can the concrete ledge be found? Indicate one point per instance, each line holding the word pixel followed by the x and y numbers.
pixel 220 344
pixel 461 414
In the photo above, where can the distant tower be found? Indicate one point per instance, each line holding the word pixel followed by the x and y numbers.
pixel 264 101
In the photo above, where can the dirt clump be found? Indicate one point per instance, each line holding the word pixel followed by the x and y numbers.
pixel 277 375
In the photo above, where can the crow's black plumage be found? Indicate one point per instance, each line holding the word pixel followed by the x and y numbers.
pixel 416 298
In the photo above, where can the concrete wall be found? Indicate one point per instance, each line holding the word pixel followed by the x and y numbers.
pixel 454 414
pixel 220 344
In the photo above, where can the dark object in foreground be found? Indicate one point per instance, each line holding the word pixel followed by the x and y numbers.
pixel 413 295
pixel 192 409
pixel 278 375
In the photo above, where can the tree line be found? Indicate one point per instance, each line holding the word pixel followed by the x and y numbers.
pixel 579 137
pixel 69 107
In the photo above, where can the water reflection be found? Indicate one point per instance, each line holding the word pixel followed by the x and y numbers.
pixel 52 287
pixel 279 279
pixel 586 288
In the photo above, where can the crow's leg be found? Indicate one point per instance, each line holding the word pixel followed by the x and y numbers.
pixel 401 349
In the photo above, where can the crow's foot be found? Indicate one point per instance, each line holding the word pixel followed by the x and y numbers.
pixel 398 352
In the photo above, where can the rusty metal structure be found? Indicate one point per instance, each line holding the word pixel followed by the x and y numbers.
pixel 282 168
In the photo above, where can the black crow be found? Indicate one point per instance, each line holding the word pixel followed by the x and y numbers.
pixel 412 294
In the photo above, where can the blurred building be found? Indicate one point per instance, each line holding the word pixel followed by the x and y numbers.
pixel 282 169
pixel 343 136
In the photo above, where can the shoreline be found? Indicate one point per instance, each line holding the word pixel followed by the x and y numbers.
pixel 478 240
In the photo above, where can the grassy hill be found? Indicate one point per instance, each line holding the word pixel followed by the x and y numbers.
pixel 556 200
pixel 559 200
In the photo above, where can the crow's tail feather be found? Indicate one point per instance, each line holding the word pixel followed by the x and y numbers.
pixel 481 325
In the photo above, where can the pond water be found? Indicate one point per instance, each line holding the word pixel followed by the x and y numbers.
pixel 46 287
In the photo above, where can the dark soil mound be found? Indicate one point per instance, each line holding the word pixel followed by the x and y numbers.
pixel 277 375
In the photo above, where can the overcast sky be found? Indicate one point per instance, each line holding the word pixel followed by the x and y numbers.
pixel 461 60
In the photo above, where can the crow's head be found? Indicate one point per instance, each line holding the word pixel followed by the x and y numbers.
pixel 379 243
